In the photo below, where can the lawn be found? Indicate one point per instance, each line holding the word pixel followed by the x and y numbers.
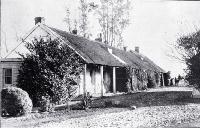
pixel 154 108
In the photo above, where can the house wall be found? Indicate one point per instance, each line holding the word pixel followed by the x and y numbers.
pixel 93 81
pixel 39 33
pixel 15 67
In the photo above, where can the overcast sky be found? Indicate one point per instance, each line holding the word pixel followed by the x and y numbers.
pixel 154 24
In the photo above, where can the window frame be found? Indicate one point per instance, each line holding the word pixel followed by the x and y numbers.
pixel 6 76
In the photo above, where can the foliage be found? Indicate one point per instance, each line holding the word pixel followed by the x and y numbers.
pixel 144 78
pixel 141 75
pixel 113 18
pixel 45 104
pixel 81 23
pixel 67 20
pixel 136 79
pixel 108 103
pixel 193 70
pixel 86 101
pixel 84 9
pixel 129 74
pixel 15 101
pixel 189 48
pixel 141 79
pixel 157 78
pixel 167 77
pixel 151 80
pixel 50 69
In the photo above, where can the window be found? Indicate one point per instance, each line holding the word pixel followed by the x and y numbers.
pixel 8 76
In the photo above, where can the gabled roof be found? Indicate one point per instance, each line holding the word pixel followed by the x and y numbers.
pixel 97 53
pixel 94 52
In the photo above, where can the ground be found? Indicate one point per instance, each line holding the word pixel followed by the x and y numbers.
pixel 184 113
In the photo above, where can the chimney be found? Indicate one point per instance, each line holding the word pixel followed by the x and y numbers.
pixel 74 32
pixel 99 38
pixel 125 48
pixel 39 20
pixel 137 49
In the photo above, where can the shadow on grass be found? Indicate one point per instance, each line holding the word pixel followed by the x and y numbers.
pixel 109 104
pixel 146 99
pixel 138 99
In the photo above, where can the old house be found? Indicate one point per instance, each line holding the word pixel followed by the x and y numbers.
pixel 104 69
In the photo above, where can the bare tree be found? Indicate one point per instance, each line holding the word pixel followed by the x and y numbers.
pixel 67 19
pixel 85 9
pixel 5 41
pixel 113 18
pixel 84 17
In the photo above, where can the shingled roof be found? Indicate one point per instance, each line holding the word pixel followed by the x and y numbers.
pixel 97 53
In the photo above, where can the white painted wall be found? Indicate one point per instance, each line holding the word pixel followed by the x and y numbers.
pixel 38 33
pixel 93 81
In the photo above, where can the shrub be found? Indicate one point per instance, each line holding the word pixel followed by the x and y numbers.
pixel 141 85
pixel 151 83
pixel 46 105
pixel 87 101
pixel 15 101
pixel 50 68
pixel 108 104
pixel 151 78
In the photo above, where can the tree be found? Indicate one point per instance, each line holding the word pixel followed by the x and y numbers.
pixel 80 24
pixel 50 69
pixel 84 17
pixel 113 18
pixel 85 9
pixel 67 19
pixel 189 48
pixel 112 15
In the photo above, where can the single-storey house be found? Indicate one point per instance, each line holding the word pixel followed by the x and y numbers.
pixel 103 68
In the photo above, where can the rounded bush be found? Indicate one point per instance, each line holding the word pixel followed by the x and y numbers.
pixel 15 101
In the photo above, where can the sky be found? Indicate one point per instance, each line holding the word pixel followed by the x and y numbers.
pixel 154 24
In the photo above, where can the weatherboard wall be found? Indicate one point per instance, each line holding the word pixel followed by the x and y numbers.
pixel 15 71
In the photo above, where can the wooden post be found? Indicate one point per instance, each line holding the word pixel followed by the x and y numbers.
pixel 114 80
pixel 84 79
pixel 163 82
pixel 95 82
pixel 101 70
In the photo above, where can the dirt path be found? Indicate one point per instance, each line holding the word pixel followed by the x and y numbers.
pixel 195 124
pixel 156 116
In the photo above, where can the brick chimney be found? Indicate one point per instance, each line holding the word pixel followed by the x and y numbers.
pixel 99 38
pixel 74 32
pixel 125 48
pixel 137 49
pixel 39 20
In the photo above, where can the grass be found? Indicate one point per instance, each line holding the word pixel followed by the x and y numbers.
pixel 140 100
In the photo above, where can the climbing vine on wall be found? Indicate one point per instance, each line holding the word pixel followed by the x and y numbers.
pixel 139 79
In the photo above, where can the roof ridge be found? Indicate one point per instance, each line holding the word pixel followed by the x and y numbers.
pixel 98 52
pixel 90 40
